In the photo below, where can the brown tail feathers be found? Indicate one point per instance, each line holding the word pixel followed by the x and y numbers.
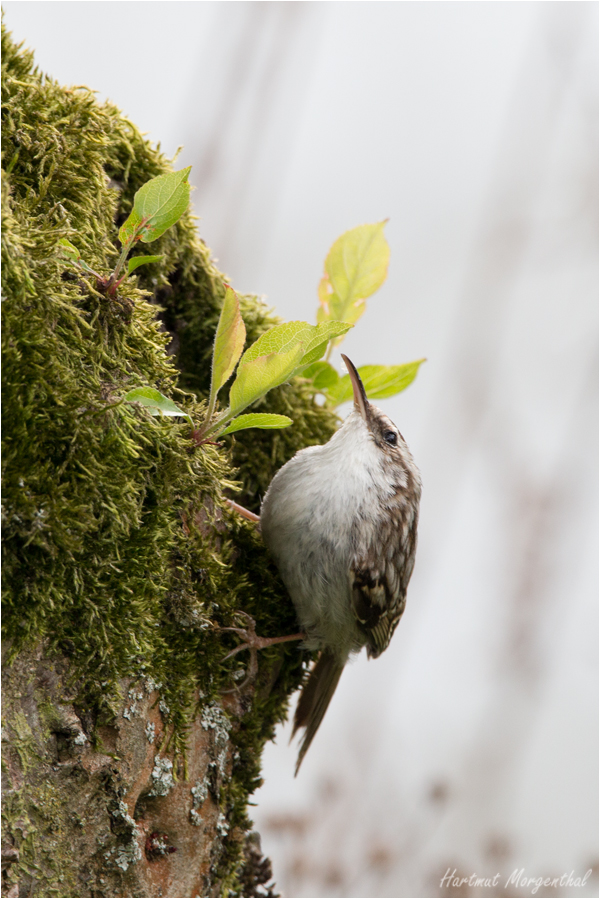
pixel 315 698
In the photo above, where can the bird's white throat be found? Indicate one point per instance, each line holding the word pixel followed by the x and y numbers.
pixel 340 477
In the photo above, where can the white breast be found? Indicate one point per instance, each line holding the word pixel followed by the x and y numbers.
pixel 307 521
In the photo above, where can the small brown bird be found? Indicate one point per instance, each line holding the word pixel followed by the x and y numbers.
pixel 340 521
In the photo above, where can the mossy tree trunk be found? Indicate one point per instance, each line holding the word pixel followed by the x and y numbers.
pixel 129 753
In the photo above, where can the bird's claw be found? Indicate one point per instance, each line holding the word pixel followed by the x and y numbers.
pixel 253 643
pixel 251 640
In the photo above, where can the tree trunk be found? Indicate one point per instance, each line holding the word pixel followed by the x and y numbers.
pixel 114 818
pixel 129 751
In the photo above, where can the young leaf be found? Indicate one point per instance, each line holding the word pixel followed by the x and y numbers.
pixel 130 226
pixel 387 380
pixel 380 381
pixel 73 255
pixel 68 250
pixel 229 343
pixel 282 338
pixel 137 261
pixel 318 351
pixel 155 402
pixel 257 420
pixel 322 374
pixel 161 202
pixel 257 377
pixel 278 339
pixel 355 267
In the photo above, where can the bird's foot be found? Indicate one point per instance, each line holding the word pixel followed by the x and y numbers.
pixel 245 513
pixel 253 643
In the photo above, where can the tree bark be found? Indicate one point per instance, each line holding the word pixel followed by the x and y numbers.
pixel 129 751
pixel 107 812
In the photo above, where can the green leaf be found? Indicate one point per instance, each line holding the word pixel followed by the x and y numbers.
pixel 257 377
pixel 355 267
pixel 341 391
pixel 73 255
pixel 282 338
pixel 318 351
pixel 155 402
pixel 322 374
pixel 130 227
pixel 229 343
pixel 380 381
pixel 68 250
pixel 161 202
pixel 257 420
pixel 137 261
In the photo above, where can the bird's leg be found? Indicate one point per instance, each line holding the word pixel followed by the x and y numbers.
pixel 253 642
pixel 245 513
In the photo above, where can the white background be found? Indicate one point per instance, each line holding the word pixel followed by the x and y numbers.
pixel 472 743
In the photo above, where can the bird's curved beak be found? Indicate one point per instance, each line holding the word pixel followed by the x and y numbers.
pixel 361 403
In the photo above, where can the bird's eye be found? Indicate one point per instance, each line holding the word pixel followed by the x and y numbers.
pixel 390 437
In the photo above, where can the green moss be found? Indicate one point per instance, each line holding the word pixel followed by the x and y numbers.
pixel 47 862
pixel 23 742
pixel 115 552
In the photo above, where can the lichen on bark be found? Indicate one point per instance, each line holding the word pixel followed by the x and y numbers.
pixel 121 559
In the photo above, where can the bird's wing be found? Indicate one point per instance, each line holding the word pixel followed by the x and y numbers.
pixel 379 577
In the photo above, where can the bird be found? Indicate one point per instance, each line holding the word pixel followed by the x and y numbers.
pixel 340 522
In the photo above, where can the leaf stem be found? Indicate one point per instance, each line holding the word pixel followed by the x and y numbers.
pixel 220 421
pixel 124 253
pixel 211 407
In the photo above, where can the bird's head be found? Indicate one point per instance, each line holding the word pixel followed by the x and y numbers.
pixel 382 430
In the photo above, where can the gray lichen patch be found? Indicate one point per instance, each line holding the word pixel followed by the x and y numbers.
pixel 127 855
pixel 200 792
pixel 128 852
pixel 134 697
pixel 196 818
pixel 222 825
pixel 199 796
pixel 162 777
pixel 150 685
pixel 122 814
pixel 214 718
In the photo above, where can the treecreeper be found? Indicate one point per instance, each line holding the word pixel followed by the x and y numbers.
pixel 340 522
